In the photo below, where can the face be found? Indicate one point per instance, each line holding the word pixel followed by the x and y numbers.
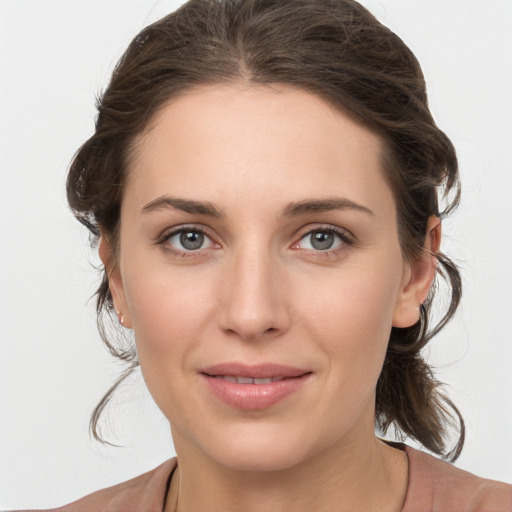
pixel 261 272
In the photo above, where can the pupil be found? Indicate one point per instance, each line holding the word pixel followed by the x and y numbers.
pixel 321 240
pixel 191 240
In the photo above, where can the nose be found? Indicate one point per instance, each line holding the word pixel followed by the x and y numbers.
pixel 254 300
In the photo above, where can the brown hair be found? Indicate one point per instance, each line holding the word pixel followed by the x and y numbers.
pixel 332 48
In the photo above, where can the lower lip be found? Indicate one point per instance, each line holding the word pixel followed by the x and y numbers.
pixel 254 397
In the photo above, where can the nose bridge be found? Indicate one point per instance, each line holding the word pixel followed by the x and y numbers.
pixel 252 302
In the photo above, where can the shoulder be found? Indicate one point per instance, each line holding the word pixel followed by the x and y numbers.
pixel 144 493
pixel 438 486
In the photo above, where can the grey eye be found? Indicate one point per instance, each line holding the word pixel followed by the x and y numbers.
pixel 191 240
pixel 321 240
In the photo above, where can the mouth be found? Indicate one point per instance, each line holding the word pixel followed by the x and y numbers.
pixel 254 371
pixel 248 380
pixel 254 387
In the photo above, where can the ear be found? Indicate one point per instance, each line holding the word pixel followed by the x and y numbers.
pixel 115 282
pixel 418 278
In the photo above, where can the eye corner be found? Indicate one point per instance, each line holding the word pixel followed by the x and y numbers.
pixel 341 240
pixel 174 240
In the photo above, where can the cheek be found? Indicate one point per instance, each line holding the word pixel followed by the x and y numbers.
pixel 169 311
pixel 351 319
pixel 350 324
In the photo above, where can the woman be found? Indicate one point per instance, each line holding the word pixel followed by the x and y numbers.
pixel 264 183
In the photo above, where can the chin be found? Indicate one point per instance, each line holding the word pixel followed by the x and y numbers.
pixel 260 448
pixel 258 459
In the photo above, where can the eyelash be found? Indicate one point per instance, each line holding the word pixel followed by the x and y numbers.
pixel 183 253
pixel 346 239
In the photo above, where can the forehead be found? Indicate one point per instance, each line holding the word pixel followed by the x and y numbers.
pixel 224 142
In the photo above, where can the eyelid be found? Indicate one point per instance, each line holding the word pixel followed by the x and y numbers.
pixel 346 236
pixel 180 228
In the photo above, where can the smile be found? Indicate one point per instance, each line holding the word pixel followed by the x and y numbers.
pixel 247 380
pixel 253 387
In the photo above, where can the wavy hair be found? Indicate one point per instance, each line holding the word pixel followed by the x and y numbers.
pixel 338 51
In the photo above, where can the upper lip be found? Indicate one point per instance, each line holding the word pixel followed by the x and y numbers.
pixel 256 371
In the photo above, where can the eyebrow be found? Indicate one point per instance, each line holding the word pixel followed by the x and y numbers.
pixel 291 210
pixel 323 205
pixel 185 205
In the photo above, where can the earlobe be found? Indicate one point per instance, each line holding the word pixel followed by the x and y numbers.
pixel 115 283
pixel 105 252
pixel 419 278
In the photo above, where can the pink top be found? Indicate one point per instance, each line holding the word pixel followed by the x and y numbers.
pixel 434 486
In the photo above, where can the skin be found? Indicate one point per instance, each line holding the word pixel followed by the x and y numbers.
pixel 257 290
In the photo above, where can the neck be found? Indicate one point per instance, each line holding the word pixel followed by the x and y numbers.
pixel 368 477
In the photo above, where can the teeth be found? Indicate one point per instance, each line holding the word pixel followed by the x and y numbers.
pixel 248 380
pixel 244 380
pixel 268 380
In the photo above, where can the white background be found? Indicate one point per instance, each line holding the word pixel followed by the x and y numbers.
pixel 54 57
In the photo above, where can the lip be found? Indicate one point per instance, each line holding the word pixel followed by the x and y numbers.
pixel 254 396
pixel 255 371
